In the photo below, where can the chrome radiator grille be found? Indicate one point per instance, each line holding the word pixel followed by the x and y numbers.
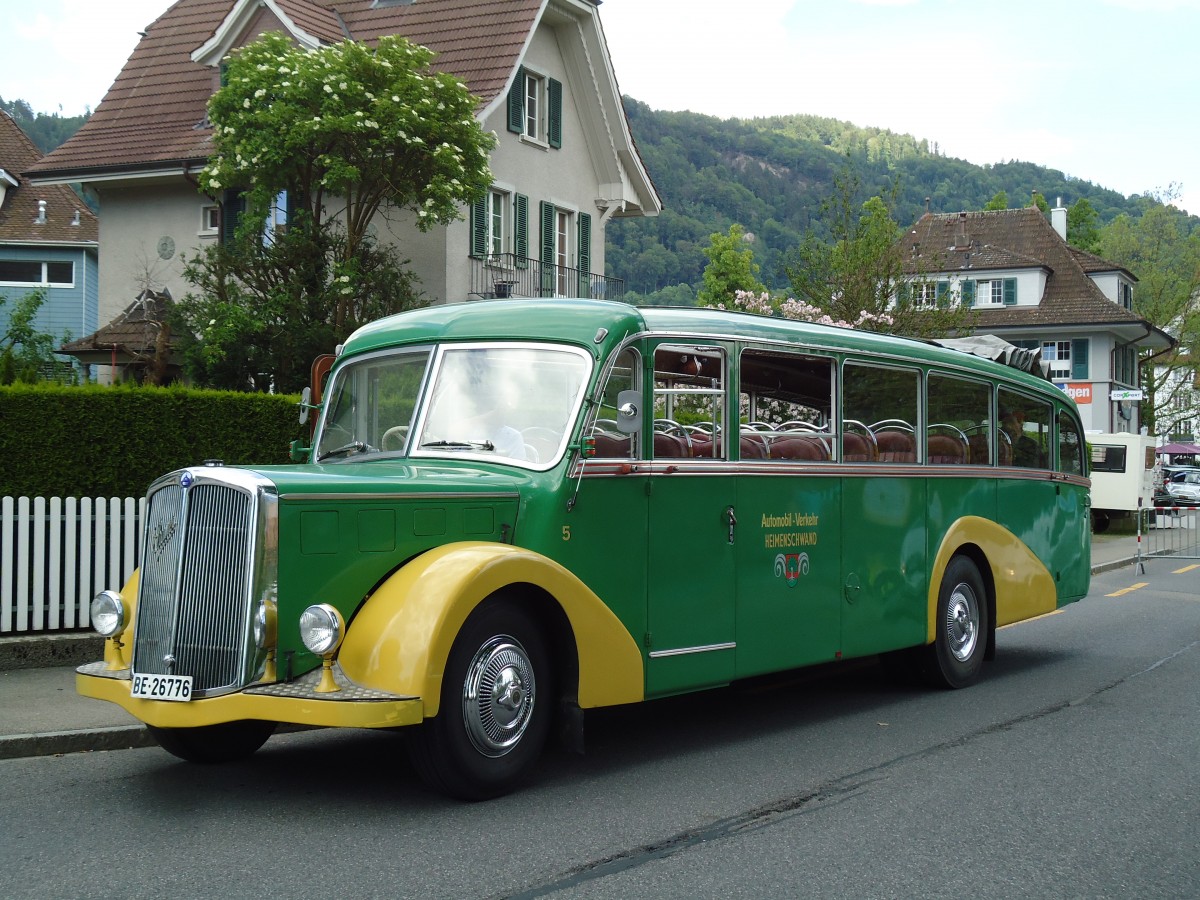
pixel 200 579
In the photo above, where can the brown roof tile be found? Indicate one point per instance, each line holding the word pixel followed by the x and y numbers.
pixel 154 113
pixel 19 213
pixel 1013 239
pixel 133 332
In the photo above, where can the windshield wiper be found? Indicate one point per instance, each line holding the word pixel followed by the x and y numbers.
pixel 460 445
pixel 352 447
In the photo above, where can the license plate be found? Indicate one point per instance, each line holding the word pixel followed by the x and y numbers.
pixel 162 687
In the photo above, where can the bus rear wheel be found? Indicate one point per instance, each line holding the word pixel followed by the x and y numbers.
pixel 495 708
pixel 955 658
pixel 226 742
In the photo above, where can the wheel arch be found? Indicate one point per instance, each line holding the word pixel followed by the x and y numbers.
pixel 1019 585
pixel 400 639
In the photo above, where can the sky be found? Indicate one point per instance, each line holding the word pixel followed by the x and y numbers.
pixel 1105 90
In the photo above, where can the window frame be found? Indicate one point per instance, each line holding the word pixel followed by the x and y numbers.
pixel 44 266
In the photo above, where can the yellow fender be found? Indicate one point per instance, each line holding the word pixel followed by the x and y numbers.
pixel 1024 586
pixel 400 640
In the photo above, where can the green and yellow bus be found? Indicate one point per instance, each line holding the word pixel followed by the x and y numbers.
pixel 513 511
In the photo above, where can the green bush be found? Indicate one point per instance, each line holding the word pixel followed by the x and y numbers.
pixel 91 441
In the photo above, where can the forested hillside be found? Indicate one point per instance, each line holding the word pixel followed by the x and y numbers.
pixel 46 130
pixel 772 175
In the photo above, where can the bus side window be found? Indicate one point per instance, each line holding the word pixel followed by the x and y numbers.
pixel 879 414
pixel 689 402
pixel 959 419
pixel 1025 430
pixel 1070 445
pixel 785 406
pixel 609 441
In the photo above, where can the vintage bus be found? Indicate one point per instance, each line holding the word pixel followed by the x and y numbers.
pixel 516 510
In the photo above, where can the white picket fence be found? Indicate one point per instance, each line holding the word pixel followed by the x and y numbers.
pixel 56 553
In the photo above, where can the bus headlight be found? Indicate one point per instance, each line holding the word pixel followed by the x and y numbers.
pixel 109 615
pixel 321 628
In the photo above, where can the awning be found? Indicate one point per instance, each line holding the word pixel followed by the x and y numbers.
pixel 1175 449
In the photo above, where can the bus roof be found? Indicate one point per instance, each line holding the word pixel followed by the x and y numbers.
pixel 600 325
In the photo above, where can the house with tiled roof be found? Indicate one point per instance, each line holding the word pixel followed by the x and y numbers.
pixel 48 241
pixel 565 163
pixel 1026 285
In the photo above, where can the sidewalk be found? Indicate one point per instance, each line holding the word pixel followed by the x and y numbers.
pixel 41 715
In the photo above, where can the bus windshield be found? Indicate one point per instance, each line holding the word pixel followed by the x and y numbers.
pixel 502 402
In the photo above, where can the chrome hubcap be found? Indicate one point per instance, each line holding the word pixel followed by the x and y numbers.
pixel 962 622
pixel 498 696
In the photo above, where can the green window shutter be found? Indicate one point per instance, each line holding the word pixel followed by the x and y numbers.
pixel 1010 292
pixel 478 229
pixel 521 230
pixel 224 77
pixel 585 255
pixel 1079 358
pixel 554 124
pixel 516 103
pixel 943 294
pixel 232 206
pixel 904 293
pixel 967 287
pixel 547 248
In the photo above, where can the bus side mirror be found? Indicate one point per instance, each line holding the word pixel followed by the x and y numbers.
pixel 629 412
pixel 305 404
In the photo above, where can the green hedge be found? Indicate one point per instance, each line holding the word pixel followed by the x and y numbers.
pixel 92 441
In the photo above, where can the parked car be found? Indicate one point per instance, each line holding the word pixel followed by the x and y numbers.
pixel 1183 488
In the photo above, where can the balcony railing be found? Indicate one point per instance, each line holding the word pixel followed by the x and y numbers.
pixel 509 275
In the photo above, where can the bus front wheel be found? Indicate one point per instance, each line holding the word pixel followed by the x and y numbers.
pixel 495 707
pixel 955 658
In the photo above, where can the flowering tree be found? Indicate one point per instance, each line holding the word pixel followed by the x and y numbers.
pixel 350 133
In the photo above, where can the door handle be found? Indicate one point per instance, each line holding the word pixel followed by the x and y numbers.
pixel 732 522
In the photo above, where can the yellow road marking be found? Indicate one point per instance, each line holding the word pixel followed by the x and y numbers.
pixel 1128 590
pixel 1185 569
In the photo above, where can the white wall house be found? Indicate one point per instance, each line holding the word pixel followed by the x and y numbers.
pixel 566 162
pixel 1029 287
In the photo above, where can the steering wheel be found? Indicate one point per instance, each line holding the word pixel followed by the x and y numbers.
pixel 396 435
pixel 544 441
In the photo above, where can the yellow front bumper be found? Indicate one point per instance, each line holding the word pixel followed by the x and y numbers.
pixel 295 702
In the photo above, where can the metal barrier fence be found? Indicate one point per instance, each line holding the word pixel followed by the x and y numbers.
pixel 56 553
pixel 1168 531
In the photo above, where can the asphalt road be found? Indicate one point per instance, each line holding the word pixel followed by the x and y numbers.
pixel 1071 770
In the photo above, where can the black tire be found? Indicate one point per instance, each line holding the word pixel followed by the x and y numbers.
pixel 955 658
pixel 497 698
pixel 221 743
pixel 1100 522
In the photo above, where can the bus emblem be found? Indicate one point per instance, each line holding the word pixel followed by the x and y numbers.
pixel 790 566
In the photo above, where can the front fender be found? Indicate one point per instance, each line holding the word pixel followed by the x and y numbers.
pixel 400 639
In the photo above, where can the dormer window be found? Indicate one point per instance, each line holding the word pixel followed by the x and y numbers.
pixel 535 108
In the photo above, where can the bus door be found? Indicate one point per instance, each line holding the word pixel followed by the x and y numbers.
pixel 883 514
pixel 692 520
pixel 789 504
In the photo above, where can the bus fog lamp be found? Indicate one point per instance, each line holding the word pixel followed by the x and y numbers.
pixel 108 614
pixel 321 628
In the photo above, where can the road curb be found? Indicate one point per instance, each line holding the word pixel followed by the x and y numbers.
pixel 1114 564
pixel 124 737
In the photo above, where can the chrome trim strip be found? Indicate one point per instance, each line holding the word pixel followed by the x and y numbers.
pixel 684 651
pixel 439 495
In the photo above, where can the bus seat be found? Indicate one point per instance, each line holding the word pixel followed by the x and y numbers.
pixel 792 447
pixel 946 450
pixel 856 448
pixel 702 446
pixel 896 446
pixel 667 446
pixel 754 446
pixel 980 453
pixel 609 446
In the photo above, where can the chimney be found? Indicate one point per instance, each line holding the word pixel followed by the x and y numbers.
pixel 41 216
pixel 1058 218
pixel 960 232
pixel 75 221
